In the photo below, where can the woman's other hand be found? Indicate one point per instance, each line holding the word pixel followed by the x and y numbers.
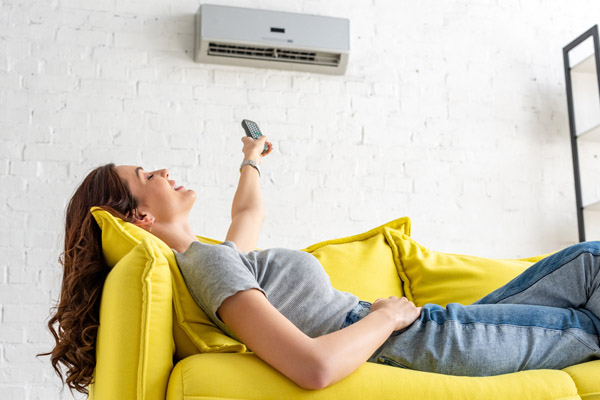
pixel 253 149
pixel 401 310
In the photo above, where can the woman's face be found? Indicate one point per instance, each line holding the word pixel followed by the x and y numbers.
pixel 156 193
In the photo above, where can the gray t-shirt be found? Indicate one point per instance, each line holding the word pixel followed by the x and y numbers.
pixel 293 281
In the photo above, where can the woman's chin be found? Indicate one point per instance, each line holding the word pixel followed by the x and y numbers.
pixel 190 196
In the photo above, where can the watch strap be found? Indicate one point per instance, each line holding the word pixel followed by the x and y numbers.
pixel 252 163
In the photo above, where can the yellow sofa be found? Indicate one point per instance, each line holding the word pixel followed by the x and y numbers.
pixel 155 343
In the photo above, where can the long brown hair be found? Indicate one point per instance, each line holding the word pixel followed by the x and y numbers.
pixel 85 271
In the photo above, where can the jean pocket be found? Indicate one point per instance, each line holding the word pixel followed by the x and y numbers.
pixel 388 361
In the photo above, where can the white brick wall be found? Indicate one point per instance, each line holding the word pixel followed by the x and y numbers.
pixel 453 113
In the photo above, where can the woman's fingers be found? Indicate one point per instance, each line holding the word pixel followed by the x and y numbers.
pixel 403 310
pixel 269 150
pixel 255 147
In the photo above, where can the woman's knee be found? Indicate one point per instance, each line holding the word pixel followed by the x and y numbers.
pixel 592 247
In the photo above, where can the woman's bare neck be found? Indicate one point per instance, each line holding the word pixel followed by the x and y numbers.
pixel 177 235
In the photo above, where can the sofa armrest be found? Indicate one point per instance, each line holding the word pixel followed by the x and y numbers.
pixel 134 347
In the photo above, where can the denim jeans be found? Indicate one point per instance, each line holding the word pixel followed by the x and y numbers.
pixel 547 317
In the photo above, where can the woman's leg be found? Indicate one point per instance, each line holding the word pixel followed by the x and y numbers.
pixel 567 279
pixel 545 318
pixel 492 339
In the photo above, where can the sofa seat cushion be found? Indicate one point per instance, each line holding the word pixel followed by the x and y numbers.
pixel 587 379
pixel 245 376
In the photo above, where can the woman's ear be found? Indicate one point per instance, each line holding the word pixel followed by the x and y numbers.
pixel 145 221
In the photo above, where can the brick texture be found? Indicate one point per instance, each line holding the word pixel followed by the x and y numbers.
pixel 452 113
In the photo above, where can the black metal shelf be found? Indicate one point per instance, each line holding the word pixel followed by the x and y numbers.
pixel 590 64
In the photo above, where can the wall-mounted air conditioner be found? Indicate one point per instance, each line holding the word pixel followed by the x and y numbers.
pixel 271 39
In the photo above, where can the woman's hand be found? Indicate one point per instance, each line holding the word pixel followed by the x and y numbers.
pixel 253 149
pixel 402 311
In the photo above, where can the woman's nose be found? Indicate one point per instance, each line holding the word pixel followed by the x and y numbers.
pixel 164 172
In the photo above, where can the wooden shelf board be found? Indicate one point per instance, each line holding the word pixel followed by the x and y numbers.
pixel 587 65
pixel 592 134
pixel 592 206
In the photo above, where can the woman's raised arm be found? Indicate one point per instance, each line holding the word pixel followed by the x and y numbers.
pixel 248 210
pixel 312 363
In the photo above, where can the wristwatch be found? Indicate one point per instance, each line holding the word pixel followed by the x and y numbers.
pixel 252 163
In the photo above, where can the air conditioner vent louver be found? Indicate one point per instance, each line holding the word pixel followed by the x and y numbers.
pixel 271 39
pixel 273 54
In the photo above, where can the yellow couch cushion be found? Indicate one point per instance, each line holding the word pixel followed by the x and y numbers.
pixel 245 376
pixel 587 379
pixel 134 346
pixel 363 264
pixel 192 330
pixel 441 278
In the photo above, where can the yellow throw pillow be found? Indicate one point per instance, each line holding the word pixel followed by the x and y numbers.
pixel 441 278
pixel 136 298
pixel 363 264
pixel 192 330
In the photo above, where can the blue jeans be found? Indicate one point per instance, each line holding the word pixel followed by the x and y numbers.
pixel 547 317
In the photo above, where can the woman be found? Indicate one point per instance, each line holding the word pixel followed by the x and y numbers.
pixel 281 305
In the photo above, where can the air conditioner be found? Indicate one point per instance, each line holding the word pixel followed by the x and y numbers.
pixel 271 39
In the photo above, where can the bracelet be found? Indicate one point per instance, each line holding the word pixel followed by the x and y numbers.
pixel 252 163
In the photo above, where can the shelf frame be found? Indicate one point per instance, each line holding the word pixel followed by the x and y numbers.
pixel 592 32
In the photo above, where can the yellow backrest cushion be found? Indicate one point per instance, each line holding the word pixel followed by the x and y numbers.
pixel 136 300
pixel 192 330
pixel 441 278
pixel 363 264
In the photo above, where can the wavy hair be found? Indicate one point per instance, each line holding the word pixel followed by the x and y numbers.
pixel 77 312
